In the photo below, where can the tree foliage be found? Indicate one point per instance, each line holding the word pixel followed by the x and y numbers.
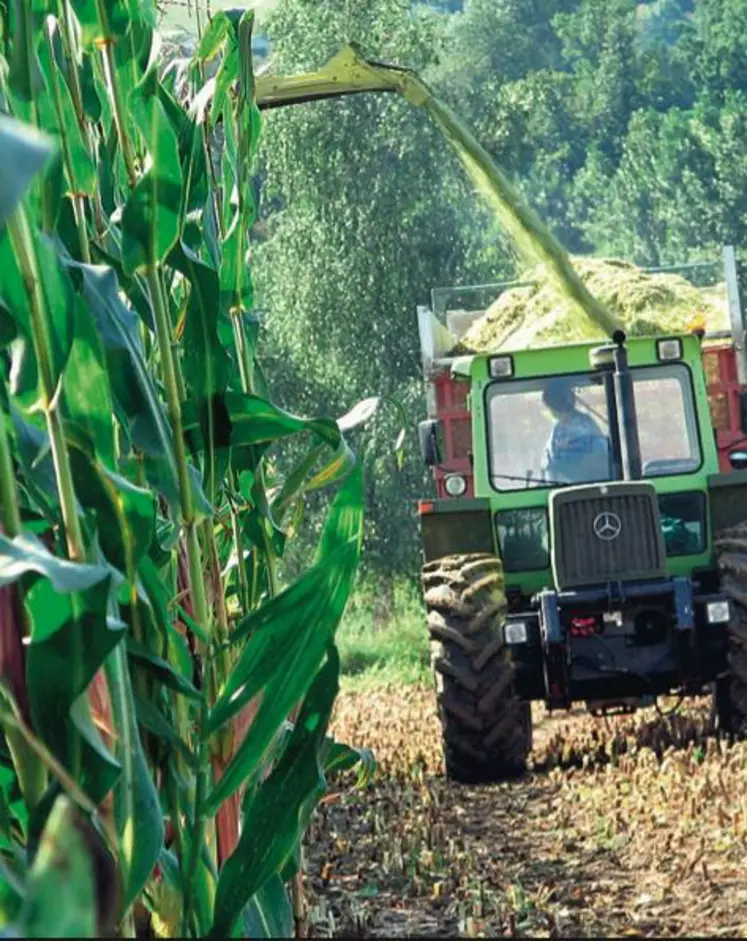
pixel 621 122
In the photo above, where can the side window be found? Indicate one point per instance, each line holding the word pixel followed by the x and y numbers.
pixel 667 424
pixel 683 522
pixel 524 539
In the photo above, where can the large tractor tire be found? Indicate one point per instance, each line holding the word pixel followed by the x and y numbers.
pixel 731 690
pixel 487 730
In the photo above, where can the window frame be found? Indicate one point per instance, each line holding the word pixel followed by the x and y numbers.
pixel 687 384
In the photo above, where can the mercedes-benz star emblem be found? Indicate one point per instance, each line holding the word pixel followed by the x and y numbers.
pixel 607 526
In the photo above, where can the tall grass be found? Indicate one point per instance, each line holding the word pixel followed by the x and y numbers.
pixel 382 638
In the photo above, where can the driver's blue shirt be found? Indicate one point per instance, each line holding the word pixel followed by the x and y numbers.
pixel 573 438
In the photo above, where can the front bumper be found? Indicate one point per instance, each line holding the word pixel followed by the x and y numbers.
pixel 650 638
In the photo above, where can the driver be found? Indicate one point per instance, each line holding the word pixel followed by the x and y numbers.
pixel 577 450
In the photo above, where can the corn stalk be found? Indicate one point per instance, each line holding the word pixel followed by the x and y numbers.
pixel 167 727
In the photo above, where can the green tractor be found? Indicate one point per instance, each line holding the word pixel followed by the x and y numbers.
pixel 581 575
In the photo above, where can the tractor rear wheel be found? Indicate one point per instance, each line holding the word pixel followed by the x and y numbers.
pixel 731 689
pixel 486 728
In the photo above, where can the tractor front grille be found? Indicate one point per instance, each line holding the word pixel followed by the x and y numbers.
pixel 606 534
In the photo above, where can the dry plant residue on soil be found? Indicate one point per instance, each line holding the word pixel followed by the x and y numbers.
pixel 628 826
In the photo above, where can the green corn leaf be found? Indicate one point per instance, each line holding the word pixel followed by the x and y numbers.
pixel 87 393
pixel 35 461
pixel 25 553
pixel 91 91
pixel 256 421
pixel 102 20
pixel 25 153
pixel 125 513
pixel 284 650
pixel 229 160
pixel 340 757
pixel 298 481
pixel 60 301
pixel 248 119
pixel 65 123
pixel 156 591
pixel 71 637
pixel 132 56
pixel 189 139
pixel 260 528
pixel 276 818
pixel 24 79
pixel 335 470
pixel 134 286
pixel 57 292
pixel 221 24
pixel 253 422
pixel 224 36
pixel 12 894
pixel 60 889
pixel 161 670
pixel 344 523
pixel 133 389
pixel 295 483
pixel 278 653
pixel 268 915
pixel 237 290
pixel 149 716
pixel 141 47
pixel 137 809
pixel 206 363
pixel 151 216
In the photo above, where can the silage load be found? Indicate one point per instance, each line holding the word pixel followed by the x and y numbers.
pixel 646 303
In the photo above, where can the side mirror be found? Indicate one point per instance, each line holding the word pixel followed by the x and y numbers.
pixel 431 449
pixel 738 460
pixel 743 411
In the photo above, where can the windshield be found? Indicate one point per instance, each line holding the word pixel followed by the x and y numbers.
pixel 554 431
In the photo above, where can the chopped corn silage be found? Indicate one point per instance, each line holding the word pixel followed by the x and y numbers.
pixel 646 303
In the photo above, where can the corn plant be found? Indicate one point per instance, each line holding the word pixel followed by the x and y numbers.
pixel 164 698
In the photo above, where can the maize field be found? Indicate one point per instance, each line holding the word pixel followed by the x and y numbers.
pixel 151 657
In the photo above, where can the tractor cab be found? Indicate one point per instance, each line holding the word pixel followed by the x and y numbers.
pixel 551 423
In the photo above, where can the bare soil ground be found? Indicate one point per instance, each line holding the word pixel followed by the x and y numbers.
pixel 634 825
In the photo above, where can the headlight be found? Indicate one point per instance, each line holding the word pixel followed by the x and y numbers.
pixel 515 632
pixel 455 485
pixel 669 349
pixel 501 367
pixel 718 612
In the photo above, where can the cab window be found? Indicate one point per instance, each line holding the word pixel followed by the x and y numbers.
pixel 554 431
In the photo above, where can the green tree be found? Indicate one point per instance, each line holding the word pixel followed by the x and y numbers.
pixel 360 229
pixel 621 122
pixel 658 206
pixel 712 46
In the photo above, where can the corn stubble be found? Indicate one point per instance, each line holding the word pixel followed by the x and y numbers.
pixel 629 825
